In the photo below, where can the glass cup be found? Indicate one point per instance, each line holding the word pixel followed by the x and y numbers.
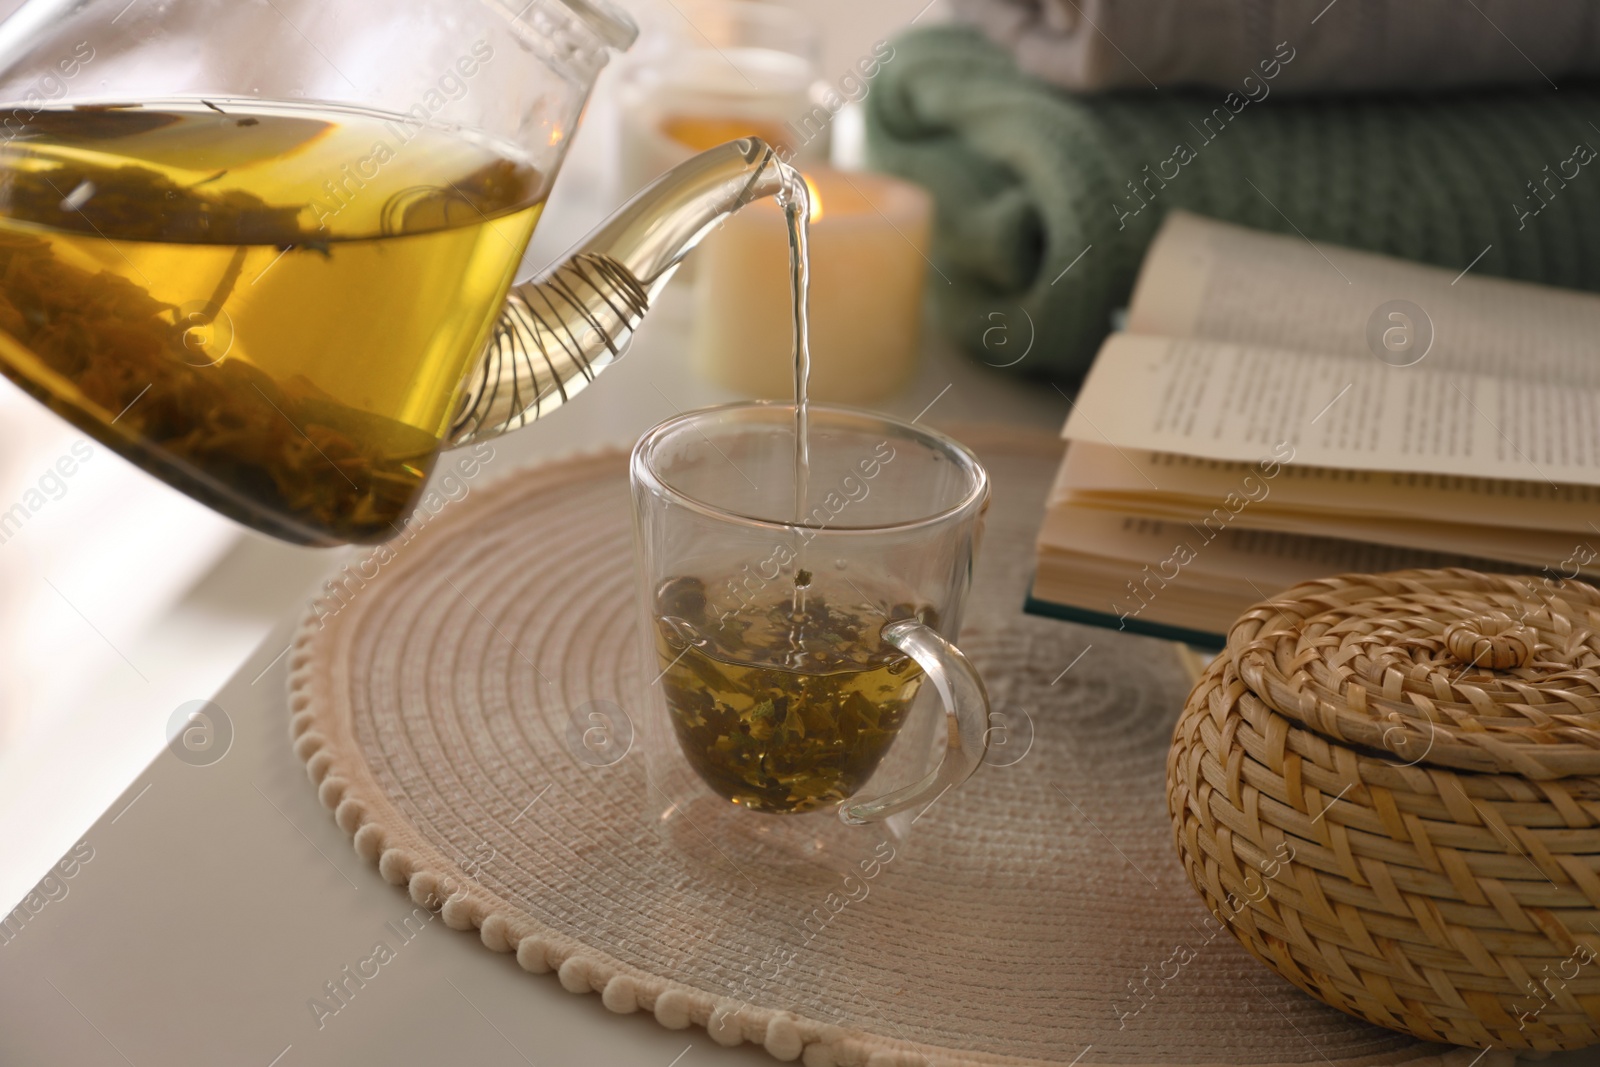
pixel 799 655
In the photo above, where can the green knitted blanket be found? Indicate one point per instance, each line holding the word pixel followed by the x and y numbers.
pixel 1045 202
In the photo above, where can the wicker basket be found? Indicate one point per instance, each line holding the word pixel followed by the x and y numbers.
pixel 1388 789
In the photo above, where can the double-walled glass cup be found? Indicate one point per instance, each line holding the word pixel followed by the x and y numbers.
pixel 799 646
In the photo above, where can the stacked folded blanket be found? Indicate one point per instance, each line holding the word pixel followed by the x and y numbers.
pixel 1046 200
pixel 1343 45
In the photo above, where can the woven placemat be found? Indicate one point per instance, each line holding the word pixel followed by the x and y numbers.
pixel 1038 915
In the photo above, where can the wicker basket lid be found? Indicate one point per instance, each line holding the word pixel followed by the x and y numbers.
pixel 1450 668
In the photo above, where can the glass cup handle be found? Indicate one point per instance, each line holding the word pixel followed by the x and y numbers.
pixel 966 713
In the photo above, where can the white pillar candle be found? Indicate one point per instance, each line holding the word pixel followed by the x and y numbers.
pixel 869 237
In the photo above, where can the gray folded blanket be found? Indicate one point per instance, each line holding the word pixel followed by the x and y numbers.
pixel 1342 46
pixel 1045 202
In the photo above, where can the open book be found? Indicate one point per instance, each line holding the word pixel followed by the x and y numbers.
pixel 1276 411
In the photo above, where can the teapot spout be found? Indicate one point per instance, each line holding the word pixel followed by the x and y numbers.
pixel 558 331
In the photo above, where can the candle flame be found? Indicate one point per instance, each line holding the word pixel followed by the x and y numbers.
pixel 816 198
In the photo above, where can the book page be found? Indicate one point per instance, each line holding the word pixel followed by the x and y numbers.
pixel 1213 280
pixel 1165 573
pixel 1557 553
pixel 1273 560
pixel 1143 479
pixel 1243 403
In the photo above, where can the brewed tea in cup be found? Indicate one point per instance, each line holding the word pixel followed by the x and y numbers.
pixel 791 703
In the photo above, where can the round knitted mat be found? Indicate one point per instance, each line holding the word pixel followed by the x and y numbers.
pixel 1037 915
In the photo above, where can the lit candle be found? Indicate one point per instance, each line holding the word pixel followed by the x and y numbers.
pixel 869 236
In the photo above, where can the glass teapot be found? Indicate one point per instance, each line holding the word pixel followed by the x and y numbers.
pixel 265 249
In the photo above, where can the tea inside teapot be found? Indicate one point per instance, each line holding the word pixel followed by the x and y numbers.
pixel 270 306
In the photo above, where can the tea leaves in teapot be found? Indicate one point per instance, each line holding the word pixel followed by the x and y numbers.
pixel 270 307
